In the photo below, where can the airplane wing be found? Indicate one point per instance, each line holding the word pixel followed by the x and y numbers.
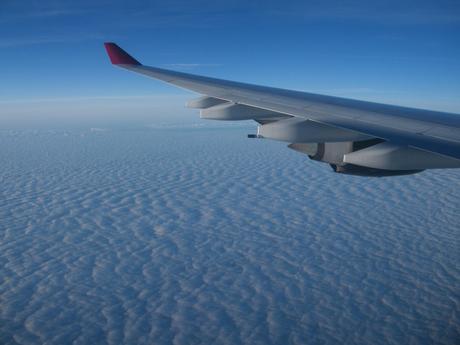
pixel 433 136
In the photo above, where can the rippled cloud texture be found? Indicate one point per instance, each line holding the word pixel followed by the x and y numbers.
pixel 196 235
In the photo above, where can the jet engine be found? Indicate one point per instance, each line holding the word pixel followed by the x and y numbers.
pixel 374 157
pixel 333 153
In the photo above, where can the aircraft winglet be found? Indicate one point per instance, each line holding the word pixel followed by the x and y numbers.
pixel 118 56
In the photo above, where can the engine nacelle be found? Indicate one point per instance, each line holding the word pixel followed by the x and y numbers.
pixel 333 153
pixel 374 157
pixel 397 157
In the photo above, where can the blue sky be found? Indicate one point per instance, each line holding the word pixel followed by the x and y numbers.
pixel 401 52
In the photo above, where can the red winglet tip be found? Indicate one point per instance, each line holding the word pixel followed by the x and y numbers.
pixel 118 56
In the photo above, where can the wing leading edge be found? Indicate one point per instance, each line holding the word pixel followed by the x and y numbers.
pixel 432 131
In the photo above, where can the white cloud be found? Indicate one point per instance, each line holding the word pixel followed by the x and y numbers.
pixel 183 236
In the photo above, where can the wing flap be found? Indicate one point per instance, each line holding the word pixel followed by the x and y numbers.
pixel 204 102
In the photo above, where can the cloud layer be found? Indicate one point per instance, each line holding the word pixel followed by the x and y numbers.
pixel 188 236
